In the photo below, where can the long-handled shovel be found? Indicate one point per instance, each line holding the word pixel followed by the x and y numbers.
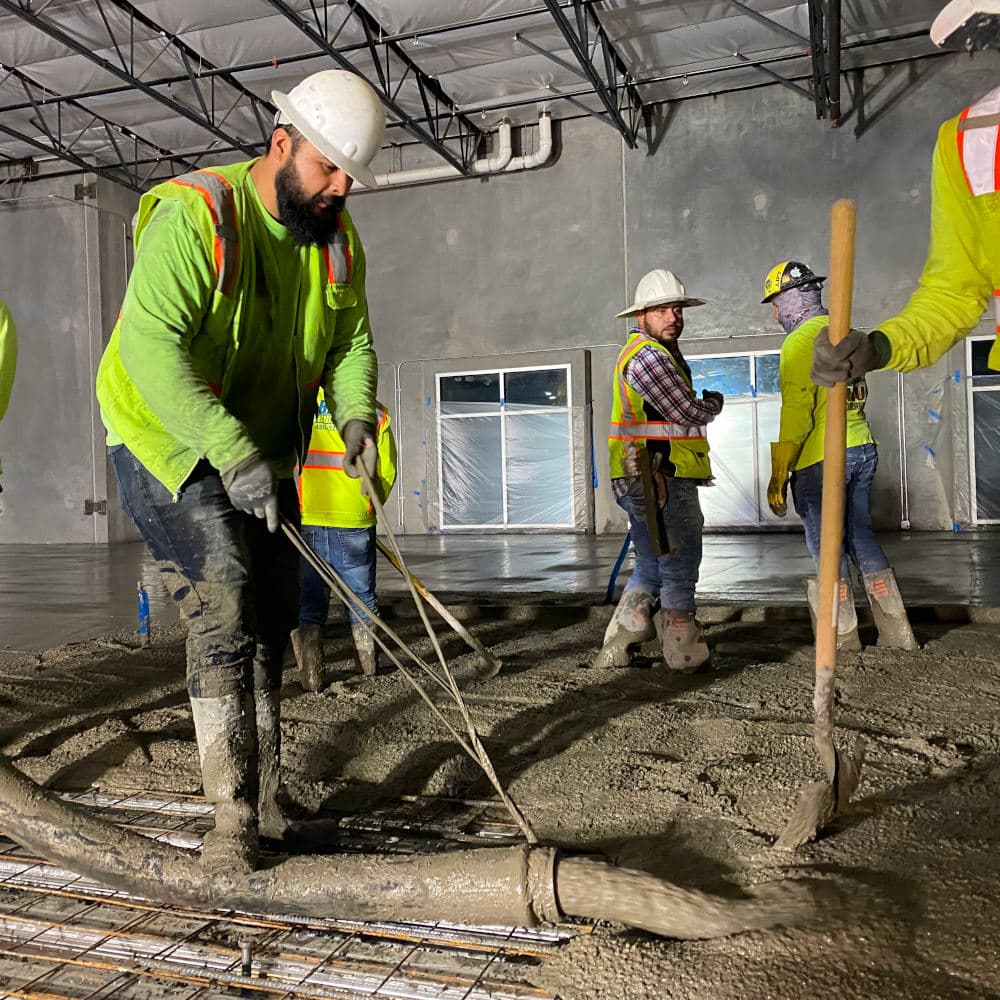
pixel 821 801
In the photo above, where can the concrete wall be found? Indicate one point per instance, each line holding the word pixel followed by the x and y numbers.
pixel 542 261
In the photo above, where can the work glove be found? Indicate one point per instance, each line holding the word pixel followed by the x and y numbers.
pixel 252 489
pixel 854 356
pixel 783 454
pixel 359 449
pixel 711 396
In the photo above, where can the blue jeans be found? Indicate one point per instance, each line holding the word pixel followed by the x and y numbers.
pixel 859 542
pixel 675 577
pixel 351 552
pixel 235 583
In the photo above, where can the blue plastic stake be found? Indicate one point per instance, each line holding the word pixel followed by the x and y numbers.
pixel 142 605
pixel 610 595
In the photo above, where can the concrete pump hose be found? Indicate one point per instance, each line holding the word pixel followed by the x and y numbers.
pixel 514 886
pixel 590 887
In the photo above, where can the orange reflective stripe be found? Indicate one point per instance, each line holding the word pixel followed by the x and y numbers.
pixel 217 193
pixel 332 460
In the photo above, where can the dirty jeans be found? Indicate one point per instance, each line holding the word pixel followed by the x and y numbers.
pixel 674 577
pixel 236 585
pixel 859 541
pixel 351 552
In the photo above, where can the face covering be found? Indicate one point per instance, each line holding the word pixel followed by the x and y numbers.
pixel 799 304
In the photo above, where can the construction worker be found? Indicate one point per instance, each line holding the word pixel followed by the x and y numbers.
pixel 248 293
pixel 8 360
pixel 659 457
pixel 962 270
pixel 795 291
pixel 338 521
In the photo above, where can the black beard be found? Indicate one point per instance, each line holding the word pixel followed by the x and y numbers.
pixel 298 214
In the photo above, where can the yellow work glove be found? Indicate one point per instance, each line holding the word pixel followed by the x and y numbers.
pixel 783 454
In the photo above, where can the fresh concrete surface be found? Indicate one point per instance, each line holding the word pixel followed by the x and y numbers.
pixel 70 593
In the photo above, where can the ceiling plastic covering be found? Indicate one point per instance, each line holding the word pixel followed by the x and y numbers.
pixel 144 83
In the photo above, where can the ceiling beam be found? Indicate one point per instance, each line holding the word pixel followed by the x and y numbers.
pixel 393 67
pixel 74 45
pixel 617 88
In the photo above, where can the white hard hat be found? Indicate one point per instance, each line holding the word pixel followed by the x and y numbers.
pixel 340 115
pixel 657 289
pixel 968 25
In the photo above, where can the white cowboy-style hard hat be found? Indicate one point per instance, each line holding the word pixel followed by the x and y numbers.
pixel 658 288
pixel 340 114
pixel 968 25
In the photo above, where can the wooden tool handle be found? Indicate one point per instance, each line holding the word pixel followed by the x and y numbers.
pixel 842 225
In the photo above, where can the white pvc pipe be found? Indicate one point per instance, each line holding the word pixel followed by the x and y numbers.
pixel 501 162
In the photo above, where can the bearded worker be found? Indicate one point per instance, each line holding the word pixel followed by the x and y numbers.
pixel 248 294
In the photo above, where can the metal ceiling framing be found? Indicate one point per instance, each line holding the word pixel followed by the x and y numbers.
pixel 206 117
pixel 393 68
pixel 617 90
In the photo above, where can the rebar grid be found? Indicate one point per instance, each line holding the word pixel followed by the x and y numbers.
pixel 70 938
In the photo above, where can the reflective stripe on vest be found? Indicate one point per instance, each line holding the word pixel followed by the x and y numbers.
pixel 661 430
pixel 978 149
pixel 325 460
pixel 218 195
pixel 979 155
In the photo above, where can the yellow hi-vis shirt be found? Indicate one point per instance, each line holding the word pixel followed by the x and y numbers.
pixel 962 270
pixel 329 497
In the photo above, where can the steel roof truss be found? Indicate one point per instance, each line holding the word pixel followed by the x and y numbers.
pixel 393 66
pixel 617 90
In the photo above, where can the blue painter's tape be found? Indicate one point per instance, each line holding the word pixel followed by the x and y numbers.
pixel 416 493
pixel 958 375
pixel 934 413
pixel 430 400
pixel 929 450
pixel 753 391
pixel 956 527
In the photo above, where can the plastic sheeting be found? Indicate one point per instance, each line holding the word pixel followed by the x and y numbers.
pixel 518 469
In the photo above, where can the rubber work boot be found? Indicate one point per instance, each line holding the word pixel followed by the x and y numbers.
pixel 847 615
pixel 630 625
pixel 684 647
pixel 227 745
pixel 364 649
pixel 307 645
pixel 888 611
pixel 272 798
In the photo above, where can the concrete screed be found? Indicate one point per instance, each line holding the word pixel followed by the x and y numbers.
pixel 687 778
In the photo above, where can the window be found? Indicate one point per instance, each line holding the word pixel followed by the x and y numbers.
pixel 506 449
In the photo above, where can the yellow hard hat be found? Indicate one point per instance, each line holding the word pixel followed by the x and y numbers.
pixel 788 274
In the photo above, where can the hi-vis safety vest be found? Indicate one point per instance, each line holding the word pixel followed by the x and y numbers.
pixel 635 424
pixel 979 155
pixel 330 498
pixel 217 199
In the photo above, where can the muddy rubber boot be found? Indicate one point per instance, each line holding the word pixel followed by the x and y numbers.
pixel 684 647
pixel 307 645
pixel 272 820
pixel 893 626
pixel 227 745
pixel 631 625
pixel 364 649
pixel 847 615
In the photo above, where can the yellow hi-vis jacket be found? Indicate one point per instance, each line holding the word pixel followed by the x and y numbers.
pixel 328 496
pixel 636 424
pixel 962 269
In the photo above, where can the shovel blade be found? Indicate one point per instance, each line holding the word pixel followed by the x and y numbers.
pixel 818 804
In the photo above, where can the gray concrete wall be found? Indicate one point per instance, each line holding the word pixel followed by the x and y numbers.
pixel 542 261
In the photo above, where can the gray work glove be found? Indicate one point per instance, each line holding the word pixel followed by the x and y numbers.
pixel 359 447
pixel 253 489
pixel 711 396
pixel 856 355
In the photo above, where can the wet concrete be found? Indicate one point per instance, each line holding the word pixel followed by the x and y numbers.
pixel 68 593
